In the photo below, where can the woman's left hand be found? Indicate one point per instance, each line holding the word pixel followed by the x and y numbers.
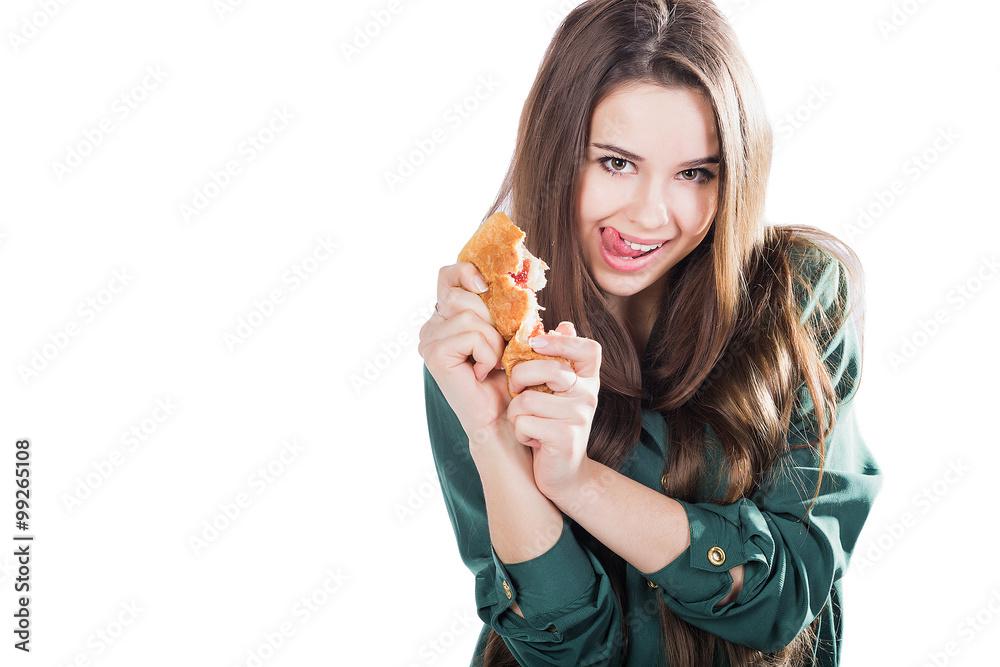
pixel 557 426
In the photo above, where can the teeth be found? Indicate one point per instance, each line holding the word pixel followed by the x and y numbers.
pixel 643 248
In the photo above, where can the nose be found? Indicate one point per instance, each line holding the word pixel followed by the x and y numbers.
pixel 648 208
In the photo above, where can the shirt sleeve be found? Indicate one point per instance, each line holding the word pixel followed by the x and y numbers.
pixel 794 544
pixel 571 615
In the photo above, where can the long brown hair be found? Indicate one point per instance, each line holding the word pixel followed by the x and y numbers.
pixel 738 349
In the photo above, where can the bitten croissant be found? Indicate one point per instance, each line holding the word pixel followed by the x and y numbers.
pixel 512 276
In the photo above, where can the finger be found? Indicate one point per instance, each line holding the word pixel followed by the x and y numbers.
pixel 456 299
pixel 468 320
pixel 583 352
pixel 463 275
pixel 436 329
pixel 545 432
pixel 566 329
pixel 454 350
pixel 557 375
pixel 557 408
pixel 527 428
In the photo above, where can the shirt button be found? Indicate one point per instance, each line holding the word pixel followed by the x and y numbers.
pixel 716 556
pixel 651 584
pixel 506 589
pixel 663 480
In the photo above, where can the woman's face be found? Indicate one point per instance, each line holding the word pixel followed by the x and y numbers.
pixel 649 186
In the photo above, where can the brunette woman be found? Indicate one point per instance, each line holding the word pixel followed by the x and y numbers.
pixel 691 494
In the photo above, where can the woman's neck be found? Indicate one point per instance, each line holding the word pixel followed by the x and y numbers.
pixel 639 312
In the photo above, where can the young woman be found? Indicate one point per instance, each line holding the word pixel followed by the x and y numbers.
pixel 691 494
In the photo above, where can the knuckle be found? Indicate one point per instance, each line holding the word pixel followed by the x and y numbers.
pixel 485 341
pixel 443 274
pixel 466 271
pixel 529 401
pixel 424 334
pixel 450 296
pixel 463 317
pixel 433 353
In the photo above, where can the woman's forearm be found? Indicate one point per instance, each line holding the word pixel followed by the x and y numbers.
pixel 523 523
pixel 646 528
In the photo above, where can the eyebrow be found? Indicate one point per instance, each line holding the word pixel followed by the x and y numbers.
pixel 628 155
pixel 621 151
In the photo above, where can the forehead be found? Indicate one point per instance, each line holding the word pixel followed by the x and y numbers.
pixel 654 120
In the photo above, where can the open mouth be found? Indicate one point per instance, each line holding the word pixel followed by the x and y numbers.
pixel 628 250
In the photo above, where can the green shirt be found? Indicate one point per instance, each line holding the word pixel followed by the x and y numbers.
pixel 792 572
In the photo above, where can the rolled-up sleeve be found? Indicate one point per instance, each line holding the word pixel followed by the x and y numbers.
pixel 571 615
pixel 793 542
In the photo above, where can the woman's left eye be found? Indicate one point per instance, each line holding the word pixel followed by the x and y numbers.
pixel 694 174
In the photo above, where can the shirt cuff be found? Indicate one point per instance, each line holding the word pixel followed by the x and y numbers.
pixel 721 539
pixel 546 584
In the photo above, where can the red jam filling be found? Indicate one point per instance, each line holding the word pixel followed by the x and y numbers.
pixel 538 330
pixel 521 277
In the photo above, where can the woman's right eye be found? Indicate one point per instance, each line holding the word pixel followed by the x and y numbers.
pixel 616 165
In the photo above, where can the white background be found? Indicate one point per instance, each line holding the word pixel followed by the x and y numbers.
pixel 867 101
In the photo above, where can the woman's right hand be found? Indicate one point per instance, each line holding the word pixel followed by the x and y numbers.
pixel 476 389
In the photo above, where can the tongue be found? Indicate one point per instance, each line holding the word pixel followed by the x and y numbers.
pixel 612 240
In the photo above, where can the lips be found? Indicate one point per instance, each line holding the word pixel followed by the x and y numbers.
pixel 621 257
pixel 613 241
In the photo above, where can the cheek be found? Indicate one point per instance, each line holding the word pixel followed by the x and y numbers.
pixel 699 211
pixel 596 198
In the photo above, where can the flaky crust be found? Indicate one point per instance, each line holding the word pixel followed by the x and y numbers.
pixel 497 251
pixel 508 304
pixel 493 248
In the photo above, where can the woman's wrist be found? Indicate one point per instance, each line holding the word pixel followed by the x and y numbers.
pixel 523 523
pixel 495 444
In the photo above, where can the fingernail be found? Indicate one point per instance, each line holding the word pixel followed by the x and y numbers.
pixel 480 285
pixel 538 341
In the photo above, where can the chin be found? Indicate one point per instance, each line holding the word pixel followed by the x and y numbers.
pixel 623 287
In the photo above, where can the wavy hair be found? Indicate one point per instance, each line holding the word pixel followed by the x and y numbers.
pixel 739 352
